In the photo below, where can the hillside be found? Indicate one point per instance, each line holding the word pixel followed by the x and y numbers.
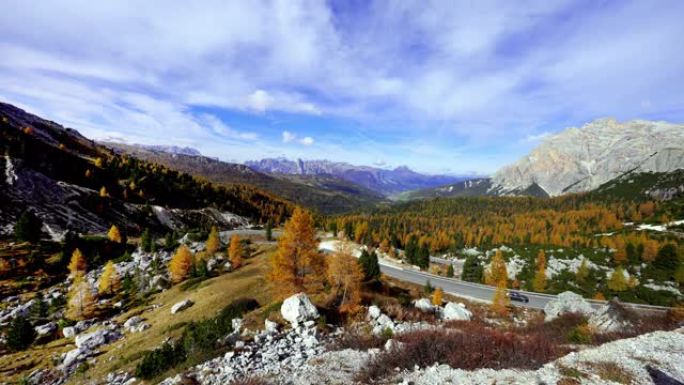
pixel 469 188
pixel 383 181
pixel 323 193
pixel 72 182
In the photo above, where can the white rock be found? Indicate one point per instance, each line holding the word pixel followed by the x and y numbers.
pixel 456 312
pixel 611 317
pixel 69 331
pixel 270 327
pixel 227 267
pixel 180 306
pixel 392 345
pixel 92 340
pixel 567 302
pixel 237 324
pixel 298 308
pixel 374 312
pixel 132 322
pixel 424 304
pixel 46 329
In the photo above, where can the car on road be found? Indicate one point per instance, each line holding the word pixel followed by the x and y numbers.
pixel 515 296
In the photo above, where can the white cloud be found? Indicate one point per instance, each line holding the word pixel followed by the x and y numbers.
pixel 288 136
pixel 260 100
pixel 535 138
pixel 307 141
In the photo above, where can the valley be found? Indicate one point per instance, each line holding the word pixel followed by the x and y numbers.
pixel 125 264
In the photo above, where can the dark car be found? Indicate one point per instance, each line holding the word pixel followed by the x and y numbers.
pixel 515 296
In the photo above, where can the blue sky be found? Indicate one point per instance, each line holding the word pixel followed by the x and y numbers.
pixel 440 86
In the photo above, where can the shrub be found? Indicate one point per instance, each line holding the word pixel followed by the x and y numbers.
pixel 610 371
pixel 159 360
pixel 580 335
pixel 28 227
pixel 475 346
pixel 358 340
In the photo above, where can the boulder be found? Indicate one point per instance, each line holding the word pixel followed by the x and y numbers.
pixel 136 324
pixel 391 345
pixel 424 304
pixel 456 312
pixel 270 327
pixel 374 312
pixel 46 329
pixel 211 264
pixel 236 323
pixel 567 302
pixel 180 306
pixel 611 317
pixel 159 282
pixel 298 309
pixel 227 267
pixel 69 332
pixel 91 341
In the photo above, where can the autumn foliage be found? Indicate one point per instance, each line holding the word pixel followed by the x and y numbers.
pixel 77 264
pixel 213 242
pixel 181 263
pixel 297 265
pixel 114 234
pixel 345 276
pixel 81 303
pixel 110 281
pixel 235 251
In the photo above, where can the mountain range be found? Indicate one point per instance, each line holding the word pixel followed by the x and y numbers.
pixel 384 181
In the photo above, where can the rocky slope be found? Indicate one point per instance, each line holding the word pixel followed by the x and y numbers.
pixel 383 181
pixel 582 159
pixel 72 182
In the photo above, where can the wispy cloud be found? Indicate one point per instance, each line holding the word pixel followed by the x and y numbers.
pixel 446 74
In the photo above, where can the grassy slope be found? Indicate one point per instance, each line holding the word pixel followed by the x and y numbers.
pixel 209 296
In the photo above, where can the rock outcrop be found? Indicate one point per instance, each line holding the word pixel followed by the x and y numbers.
pixel 180 306
pixel 581 159
pixel 456 312
pixel 567 302
pixel 612 317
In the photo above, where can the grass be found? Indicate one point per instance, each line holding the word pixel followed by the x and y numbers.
pixel 610 371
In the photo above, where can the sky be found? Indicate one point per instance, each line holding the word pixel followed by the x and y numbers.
pixel 448 86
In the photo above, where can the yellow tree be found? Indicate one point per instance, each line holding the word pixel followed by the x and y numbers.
pixel 180 264
pixel 77 264
pixel 582 271
pixel 497 270
pixel 539 282
pixel 103 192
pixel 437 296
pixel 345 276
pixel 213 242
pixel 650 250
pixel 114 234
pixel 81 304
pixel 235 251
pixel 297 265
pixel 500 302
pixel 617 281
pixel 110 282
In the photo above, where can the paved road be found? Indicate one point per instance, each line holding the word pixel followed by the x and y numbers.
pixel 460 288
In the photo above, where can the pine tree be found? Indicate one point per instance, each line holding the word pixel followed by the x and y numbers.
pixel 297 265
pixel 437 296
pixel 213 242
pixel 39 309
pixel 28 227
pixel 450 271
pixel 345 275
pixel 364 261
pixel 667 258
pixel 77 265
pixel 81 303
pixel 539 282
pixel 181 263
pixel 617 281
pixel 423 260
pixel 146 241
pixel 269 230
pixel 110 282
pixel 20 334
pixel 472 270
pixel 235 252
pixel 373 271
pixel 114 234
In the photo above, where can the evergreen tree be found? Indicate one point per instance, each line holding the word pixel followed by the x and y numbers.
pixel 667 258
pixel 20 334
pixel 450 271
pixel 146 241
pixel 472 270
pixel 269 230
pixel 632 255
pixel 169 241
pixel 423 258
pixel 364 261
pixel 373 271
pixel 39 309
pixel 28 227
pixel 428 288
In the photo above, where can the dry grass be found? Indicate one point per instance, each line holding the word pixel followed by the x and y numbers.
pixel 610 371
pixel 249 381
